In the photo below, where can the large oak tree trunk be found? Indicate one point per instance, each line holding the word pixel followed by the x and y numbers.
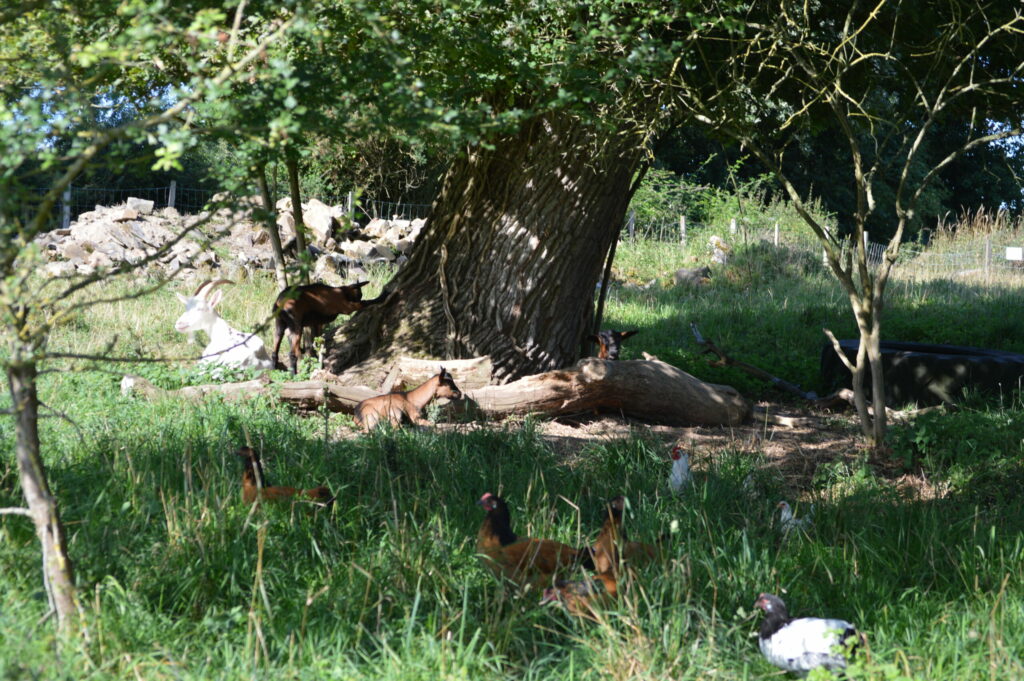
pixel 511 255
pixel 57 573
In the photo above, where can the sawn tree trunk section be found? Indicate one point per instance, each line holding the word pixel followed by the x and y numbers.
pixel 511 255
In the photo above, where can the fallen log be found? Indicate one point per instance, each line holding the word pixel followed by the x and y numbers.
pixel 648 390
pixel 306 395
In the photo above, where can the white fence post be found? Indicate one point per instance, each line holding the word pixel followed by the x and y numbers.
pixel 988 257
pixel 172 194
pixel 682 230
pixel 732 226
pixel 65 220
pixel 824 251
pixel 631 225
pixel 776 234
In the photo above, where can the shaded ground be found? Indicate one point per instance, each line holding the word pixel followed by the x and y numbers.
pixel 794 453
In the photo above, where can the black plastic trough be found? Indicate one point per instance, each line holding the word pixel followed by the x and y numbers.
pixel 929 374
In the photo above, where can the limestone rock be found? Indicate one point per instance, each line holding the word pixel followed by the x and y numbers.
pixel 126 215
pixel 140 206
pixel 317 216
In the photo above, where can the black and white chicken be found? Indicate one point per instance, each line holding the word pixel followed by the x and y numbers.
pixel 789 522
pixel 800 645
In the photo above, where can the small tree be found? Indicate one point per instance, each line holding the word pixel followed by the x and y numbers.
pixel 889 79
pixel 54 66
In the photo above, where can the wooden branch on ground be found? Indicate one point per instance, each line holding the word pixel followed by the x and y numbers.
pixel 649 390
pixel 844 398
pixel 725 360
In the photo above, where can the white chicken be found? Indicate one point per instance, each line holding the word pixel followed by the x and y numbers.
pixel 679 478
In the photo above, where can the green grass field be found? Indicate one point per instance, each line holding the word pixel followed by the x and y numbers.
pixel 179 580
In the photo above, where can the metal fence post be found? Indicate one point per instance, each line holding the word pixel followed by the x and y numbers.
pixel 631 225
pixel 65 220
pixel 824 251
pixel 732 226
pixel 172 194
pixel 682 230
pixel 776 239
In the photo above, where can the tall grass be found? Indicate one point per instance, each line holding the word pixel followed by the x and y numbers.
pixel 178 579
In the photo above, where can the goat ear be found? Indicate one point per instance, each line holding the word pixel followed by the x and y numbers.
pixel 215 298
pixel 627 334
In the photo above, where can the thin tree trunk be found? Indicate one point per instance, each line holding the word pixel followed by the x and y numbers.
pixel 271 226
pixel 57 571
pixel 874 353
pixel 603 295
pixel 510 257
pixel 292 162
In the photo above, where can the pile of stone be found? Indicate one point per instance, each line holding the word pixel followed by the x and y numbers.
pixel 225 241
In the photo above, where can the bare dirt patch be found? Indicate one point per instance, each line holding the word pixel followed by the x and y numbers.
pixel 793 453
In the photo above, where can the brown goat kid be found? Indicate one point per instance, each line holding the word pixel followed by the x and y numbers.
pixel 313 306
pixel 393 406
pixel 254 484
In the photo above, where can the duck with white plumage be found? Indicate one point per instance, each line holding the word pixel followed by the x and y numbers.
pixel 799 645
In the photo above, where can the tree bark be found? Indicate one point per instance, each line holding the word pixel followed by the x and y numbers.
pixel 270 224
pixel 511 255
pixel 58 575
pixel 292 162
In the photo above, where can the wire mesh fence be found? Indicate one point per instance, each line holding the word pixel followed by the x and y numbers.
pixel 77 200
pixel 190 200
pixel 392 210
pixel 996 254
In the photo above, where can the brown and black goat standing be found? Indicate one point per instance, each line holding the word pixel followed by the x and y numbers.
pixel 313 306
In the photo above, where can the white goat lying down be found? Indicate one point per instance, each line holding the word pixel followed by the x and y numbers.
pixel 227 345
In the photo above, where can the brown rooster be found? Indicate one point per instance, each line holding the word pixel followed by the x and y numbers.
pixel 523 560
pixel 254 484
pixel 612 536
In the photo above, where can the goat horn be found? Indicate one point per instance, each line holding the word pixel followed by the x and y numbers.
pixel 209 285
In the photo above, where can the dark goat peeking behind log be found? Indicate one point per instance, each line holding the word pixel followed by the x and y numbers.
pixel 313 306
pixel 610 342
